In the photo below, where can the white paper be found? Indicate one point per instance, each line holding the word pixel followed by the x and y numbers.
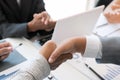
pixel 76 25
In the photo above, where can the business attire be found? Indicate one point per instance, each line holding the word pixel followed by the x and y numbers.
pixel 103 2
pixel 105 48
pixel 108 49
pixel 35 69
pixel 15 14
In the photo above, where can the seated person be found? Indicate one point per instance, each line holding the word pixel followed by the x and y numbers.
pixel 37 69
pixel 24 18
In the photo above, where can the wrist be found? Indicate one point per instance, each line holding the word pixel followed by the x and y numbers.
pixel 80 44
pixel 30 27
pixel 47 49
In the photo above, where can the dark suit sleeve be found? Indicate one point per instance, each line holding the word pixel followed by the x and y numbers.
pixel 11 29
pixel 111 50
pixel 40 6
pixel 103 2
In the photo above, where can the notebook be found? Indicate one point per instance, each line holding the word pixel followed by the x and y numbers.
pixel 76 25
pixel 13 59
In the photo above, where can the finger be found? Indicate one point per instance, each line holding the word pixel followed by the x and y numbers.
pixel 63 58
pixel 115 6
pixel 38 16
pixel 58 51
pixel 35 15
pixel 4 57
pixel 47 49
pixel 117 12
pixel 52 23
pixel 106 14
pixel 46 17
pixel 53 57
pixel 60 60
pixel 5 44
pixel 46 21
pixel 42 19
pixel 5 50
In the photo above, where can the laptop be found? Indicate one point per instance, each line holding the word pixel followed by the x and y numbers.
pixel 76 25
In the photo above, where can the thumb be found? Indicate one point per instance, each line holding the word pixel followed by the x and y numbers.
pixel 35 15
pixel 54 56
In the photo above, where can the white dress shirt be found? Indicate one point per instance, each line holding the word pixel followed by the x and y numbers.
pixel 103 29
pixel 93 47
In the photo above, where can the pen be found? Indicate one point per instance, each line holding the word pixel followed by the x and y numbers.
pixel 94 72
pixel 18 45
pixel 1 41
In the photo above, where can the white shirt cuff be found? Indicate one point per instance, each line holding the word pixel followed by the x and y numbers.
pixel 93 47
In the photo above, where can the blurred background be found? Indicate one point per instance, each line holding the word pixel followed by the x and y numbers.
pixel 62 8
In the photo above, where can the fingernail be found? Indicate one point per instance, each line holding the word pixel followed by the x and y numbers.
pixel 10 48
pixel 50 60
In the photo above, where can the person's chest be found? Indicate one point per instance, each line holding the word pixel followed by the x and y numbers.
pixel 17 10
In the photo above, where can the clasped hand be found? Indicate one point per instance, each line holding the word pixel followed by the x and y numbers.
pixel 41 21
pixel 112 12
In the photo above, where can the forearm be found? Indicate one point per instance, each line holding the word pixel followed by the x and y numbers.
pixel 13 30
pixel 111 50
pixel 35 69
pixel 80 44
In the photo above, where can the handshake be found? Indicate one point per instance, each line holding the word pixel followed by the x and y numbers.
pixel 46 51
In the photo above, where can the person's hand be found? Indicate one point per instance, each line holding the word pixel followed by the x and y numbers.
pixel 41 21
pixel 112 12
pixel 47 50
pixel 76 44
pixel 62 58
pixel 5 49
pixel 47 20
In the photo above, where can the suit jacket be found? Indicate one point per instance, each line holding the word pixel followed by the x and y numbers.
pixel 111 50
pixel 103 2
pixel 14 18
